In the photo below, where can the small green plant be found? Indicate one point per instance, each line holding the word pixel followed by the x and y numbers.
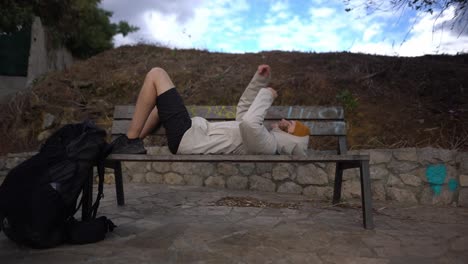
pixel 346 98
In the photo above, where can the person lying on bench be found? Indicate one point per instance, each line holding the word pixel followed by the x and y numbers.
pixel 159 101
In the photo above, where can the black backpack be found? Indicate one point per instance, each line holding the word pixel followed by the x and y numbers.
pixel 38 198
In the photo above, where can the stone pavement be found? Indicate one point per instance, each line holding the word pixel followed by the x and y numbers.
pixel 182 224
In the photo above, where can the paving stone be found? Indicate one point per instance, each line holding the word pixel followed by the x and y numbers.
pixel 411 180
pixel 289 187
pixel 237 182
pixel 310 174
pixel 173 178
pixel 215 181
pixel 379 156
pixel 283 171
pixel 227 169
pixel 401 195
pixel 261 184
pixel 407 154
pixel 460 243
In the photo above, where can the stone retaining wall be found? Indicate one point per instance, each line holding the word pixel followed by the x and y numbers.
pixel 410 175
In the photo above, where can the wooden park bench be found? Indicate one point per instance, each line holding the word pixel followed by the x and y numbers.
pixel 322 121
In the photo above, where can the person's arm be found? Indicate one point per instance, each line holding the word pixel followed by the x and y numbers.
pixel 260 80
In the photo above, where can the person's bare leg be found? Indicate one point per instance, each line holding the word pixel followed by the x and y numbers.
pixel 151 123
pixel 157 81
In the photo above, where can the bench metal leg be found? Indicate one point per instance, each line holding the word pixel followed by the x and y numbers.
pixel 119 183
pixel 338 181
pixel 87 199
pixel 366 196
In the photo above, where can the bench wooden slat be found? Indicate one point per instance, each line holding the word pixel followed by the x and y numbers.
pixel 238 158
pixel 229 112
pixel 322 128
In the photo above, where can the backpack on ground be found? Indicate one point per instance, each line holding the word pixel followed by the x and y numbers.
pixel 38 198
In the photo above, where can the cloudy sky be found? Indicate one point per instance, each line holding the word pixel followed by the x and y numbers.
pixel 239 26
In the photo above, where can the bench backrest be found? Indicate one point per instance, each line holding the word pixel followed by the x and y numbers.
pixel 322 120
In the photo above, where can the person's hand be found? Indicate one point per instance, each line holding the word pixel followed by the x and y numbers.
pixel 264 70
pixel 273 92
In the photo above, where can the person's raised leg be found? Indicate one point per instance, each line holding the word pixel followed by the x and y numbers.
pixel 157 81
pixel 145 118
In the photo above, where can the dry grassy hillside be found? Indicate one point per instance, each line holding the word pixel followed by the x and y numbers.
pixel 390 102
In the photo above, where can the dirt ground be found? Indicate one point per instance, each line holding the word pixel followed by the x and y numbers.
pixel 390 102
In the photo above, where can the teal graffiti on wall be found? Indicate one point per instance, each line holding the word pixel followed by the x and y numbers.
pixel 436 175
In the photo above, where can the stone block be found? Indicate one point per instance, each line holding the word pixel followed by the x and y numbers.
pixel 173 178
pixel 215 181
pixel 351 189
pixel 464 180
pixel 395 181
pixel 47 120
pixel 153 177
pixel 462 158
pixel 401 195
pixel 261 184
pixel 319 192
pixel 2 163
pixel 399 167
pixel 310 174
pixel 378 156
pixel 10 163
pixel 228 169
pixel 406 154
pixel 283 171
pixel 442 196
pixel 109 178
pixel 411 180
pixel 246 168
pixel 182 168
pixel 134 167
pixel 263 167
pixel 378 191
pixel 138 178
pixel 203 169
pixel 430 155
pixel 193 179
pixel 330 170
pixel 378 172
pixel 161 167
pixel 463 197
pixel 237 182
pixel 351 175
pixel 290 187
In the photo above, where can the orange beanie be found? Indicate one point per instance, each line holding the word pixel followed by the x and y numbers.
pixel 301 130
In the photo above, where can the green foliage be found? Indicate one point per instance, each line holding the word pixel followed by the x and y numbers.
pixel 346 98
pixel 80 25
